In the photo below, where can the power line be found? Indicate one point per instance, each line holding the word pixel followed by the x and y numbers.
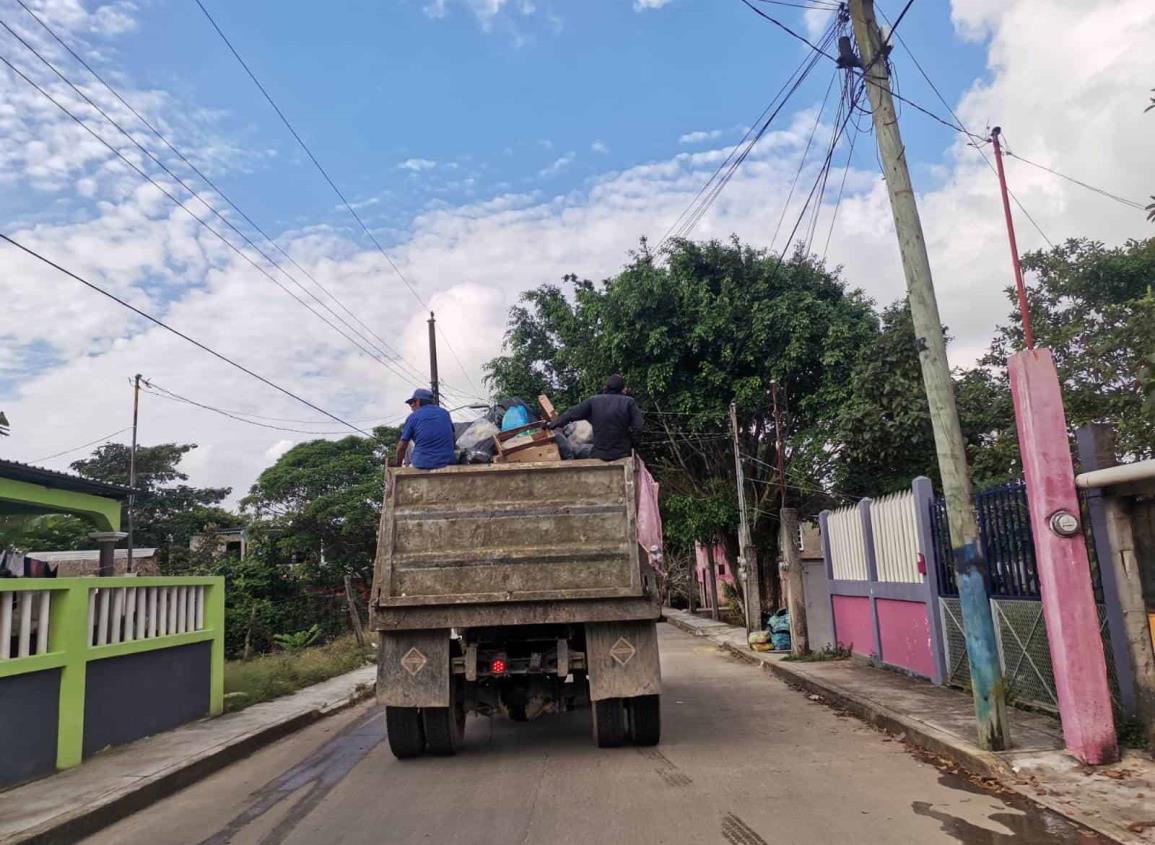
pixel 787 30
pixel 80 122
pixel 1081 184
pixel 103 439
pixel 300 141
pixel 203 176
pixel 177 332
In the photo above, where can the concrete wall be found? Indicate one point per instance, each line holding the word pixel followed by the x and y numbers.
pixel 725 573
pixel 905 633
pixel 29 714
pixel 853 625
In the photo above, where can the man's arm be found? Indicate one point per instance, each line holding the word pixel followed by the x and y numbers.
pixel 637 422
pixel 402 448
pixel 580 411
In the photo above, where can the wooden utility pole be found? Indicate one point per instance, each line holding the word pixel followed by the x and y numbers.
pixel 132 469
pixel 795 581
pixel 434 382
pixel 354 614
pixel 747 557
pixel 982 651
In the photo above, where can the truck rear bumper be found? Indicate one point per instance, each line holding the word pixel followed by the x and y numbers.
pixel 514 613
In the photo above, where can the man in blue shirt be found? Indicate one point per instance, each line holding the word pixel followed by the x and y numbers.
pixel 430 430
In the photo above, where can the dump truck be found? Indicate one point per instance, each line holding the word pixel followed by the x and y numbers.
pixel 517 590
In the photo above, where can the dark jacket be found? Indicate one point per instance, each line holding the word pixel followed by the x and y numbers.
pixel 616 420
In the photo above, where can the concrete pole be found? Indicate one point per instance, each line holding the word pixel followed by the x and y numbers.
pixel 747 557
pixel 795 582
pixel 106 542
pixel 712 580
pixel 1061 553
pixel 132 469
pixel 1114 546
pixel 434 382
pixel 982 649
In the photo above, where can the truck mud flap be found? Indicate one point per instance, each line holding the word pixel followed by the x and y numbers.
pixel 413 669
pixel 622 659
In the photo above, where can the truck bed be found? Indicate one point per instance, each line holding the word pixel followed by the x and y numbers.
pixel 509 534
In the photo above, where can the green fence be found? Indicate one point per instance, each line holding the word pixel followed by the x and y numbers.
pixel 95 642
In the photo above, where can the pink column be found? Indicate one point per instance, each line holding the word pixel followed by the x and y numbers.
pixel 1061 552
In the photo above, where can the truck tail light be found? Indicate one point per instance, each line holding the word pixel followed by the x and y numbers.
pixel 497 666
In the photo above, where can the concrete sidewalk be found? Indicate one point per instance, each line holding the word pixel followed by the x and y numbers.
pixel 1115 801
pixel 74 803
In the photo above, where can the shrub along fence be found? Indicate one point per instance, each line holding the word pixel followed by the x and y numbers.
pixel 86 663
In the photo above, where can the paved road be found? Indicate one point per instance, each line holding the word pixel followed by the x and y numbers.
pixel 744 761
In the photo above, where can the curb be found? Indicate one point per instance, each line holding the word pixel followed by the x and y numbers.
pixel 112 807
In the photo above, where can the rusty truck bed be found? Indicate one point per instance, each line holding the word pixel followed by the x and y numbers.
pixel 510 544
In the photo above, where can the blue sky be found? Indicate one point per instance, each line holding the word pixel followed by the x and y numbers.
pixel 503 102
pixel 493 145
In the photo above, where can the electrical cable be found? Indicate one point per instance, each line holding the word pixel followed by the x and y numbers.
pixel 157 321
pixel 1081 184
pixel 185 208
pixel 205 178
pixel 300 141
pixel 783 27
pixel 103 439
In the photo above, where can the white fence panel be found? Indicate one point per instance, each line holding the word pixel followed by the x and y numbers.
pixel 25 616
pixel 123 614
pixel 847 545
pixel 893 523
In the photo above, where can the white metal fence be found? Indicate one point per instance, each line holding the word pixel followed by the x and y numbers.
pixel 895 528
pixel 24 620
pixel 847 545
pixel 124 614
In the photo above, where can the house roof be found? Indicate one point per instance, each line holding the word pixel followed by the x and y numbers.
pixel 88 554
pixel 60 480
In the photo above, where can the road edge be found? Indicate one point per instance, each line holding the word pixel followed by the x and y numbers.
pixel 118 804
pixel 973 760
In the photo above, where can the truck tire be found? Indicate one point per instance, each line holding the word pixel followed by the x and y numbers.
pixel 405 732
pixel 444 729
pixel 645 719
pixel 609 722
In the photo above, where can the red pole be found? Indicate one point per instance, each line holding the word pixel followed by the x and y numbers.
pixel 1024 310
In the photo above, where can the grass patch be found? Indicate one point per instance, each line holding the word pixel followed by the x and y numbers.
pixel 273 675
pixel 827 652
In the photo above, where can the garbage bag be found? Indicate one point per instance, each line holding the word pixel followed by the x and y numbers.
pixel 579 432
pixel 563 446
pixel 515 417
pixel 779 627
pixel 477 433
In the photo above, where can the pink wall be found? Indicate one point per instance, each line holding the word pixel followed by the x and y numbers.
pixel 725 570
pixel 905 634
pixel 852 626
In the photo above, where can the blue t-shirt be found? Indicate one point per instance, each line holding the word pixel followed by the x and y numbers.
pixel 430 430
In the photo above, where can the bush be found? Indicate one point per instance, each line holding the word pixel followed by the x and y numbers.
pixel 273 675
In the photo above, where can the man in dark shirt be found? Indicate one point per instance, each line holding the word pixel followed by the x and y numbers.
pixel 616 420
pixel 430 430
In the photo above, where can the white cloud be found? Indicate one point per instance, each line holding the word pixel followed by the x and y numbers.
pixel 700 136
pixel 642 5
pixel 417 165
pixel 599 147
pixel 66 353
pixel 558 165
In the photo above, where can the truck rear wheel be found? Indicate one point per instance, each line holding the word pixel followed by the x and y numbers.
pixel 444 729
pixel 406 734
pixel 645 719
pixel 609 722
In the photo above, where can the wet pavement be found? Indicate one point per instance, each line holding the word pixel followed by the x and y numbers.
pixel 744 760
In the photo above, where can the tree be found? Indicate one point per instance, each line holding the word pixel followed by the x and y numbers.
pixel 319 505
pixel 715 323
pixel 167 512
pixel 1093 307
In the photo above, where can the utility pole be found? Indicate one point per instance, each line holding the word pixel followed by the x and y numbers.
pixel 780 446
pixel 1020 288
pixel 747 558
pixel 132 468
pixel 433 380
pixel 795 582
pixel 982 651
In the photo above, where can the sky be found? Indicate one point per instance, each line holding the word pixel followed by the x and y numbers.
pixel 488 146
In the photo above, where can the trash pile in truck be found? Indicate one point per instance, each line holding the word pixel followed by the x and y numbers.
pixel 508 433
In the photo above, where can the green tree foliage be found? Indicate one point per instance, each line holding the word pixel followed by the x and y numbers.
pixel 320 503
pixel 714 323
pixel 167 511
pixel 51 532
pixel 1093 307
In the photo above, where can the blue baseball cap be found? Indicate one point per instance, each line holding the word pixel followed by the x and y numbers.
pixel 424 394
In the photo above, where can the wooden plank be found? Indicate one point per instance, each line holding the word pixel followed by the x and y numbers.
pixel 529 453
pixel 547 407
